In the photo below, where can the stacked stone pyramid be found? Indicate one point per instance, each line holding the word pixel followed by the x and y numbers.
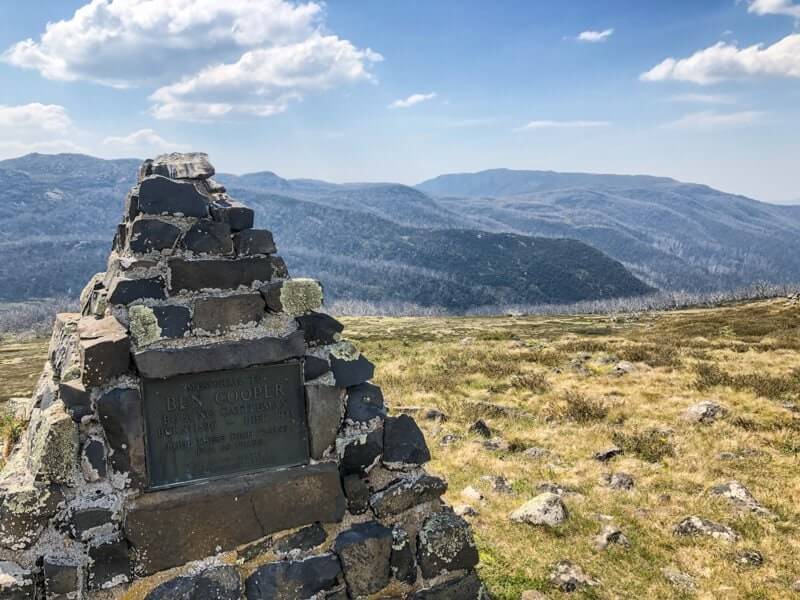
pixel 202 419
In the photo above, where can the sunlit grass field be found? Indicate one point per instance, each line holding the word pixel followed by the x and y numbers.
pixel 574 386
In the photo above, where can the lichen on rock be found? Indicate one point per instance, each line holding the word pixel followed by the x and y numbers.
pixel 144 325
pixel 298 296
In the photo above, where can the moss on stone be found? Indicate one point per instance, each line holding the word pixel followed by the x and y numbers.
pixel 144 325
pixel 345 350
pixel 54 448
pixel 298 296
pixel 71 373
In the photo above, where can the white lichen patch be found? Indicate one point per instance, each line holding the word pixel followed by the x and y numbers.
pixel 344 350
pixel 298 296
pixel 144 325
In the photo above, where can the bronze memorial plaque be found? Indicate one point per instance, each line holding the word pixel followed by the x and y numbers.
pixel 223 422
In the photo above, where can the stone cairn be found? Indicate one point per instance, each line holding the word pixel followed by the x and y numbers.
pixel 202 419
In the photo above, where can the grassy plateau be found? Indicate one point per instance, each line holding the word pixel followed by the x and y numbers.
pixel 576 385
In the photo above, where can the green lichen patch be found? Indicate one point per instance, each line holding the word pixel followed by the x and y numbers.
pixel 54 448
pixel 345 350
pixel 144 325
pixel 298 296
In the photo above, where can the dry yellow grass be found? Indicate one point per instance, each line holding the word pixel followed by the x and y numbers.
pixel 559 376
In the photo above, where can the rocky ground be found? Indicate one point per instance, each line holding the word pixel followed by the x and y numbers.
pixel 600 457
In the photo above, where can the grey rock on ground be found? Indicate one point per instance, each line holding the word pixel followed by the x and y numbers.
pixel 470 494
pixel 679 579
pixel 611 534
pixel 624 367
pixel 545 509
pixel 697 526
pixel 569 577
pixel 749 557
pixel 555 488
pixel 618 481
pixel 498 483
pixel 537 453
pixel 465 510
pixel 739 496
pixel 607 454
pixel 480 428
pixel 705 412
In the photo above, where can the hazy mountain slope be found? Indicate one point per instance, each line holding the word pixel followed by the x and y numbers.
pixel 676 235
pixel 61 212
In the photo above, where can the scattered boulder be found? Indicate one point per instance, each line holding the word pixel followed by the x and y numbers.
pixel 448 439
pixel 498 444
pixel 698 526
pixel 545 509
pixel 618 481
pixel 705 412
pixel 480 428
pixel 624 367
pixel 445 544
pixel 569 577
pixel 610 534
pixel 739 496
pixel 470 494
pixel 749 557
pixel 607 454
pixel 679 579
pixel 498 483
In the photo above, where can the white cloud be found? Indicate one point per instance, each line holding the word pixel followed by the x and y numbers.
pixel 774 7
pixel 264 81
pixel 724 61
pixel 563 125
pixel 715 120
pixel 594 36
pixel 412 100
pixel 703 98
pixel 49 118
pixel 142 141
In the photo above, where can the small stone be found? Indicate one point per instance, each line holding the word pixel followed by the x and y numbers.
pixel 357 492
pixel 705 412
pixel 254 241
pixel 319 329
pixel 497 443
pixel 432 414
pixel 76 399
pixel 221 313
pixel 403 443
pixel 350 373
pixel 364 403
pixel 618 481
pixel 303 539
pixel 235 214
pixel 739 496
pixel 678 579
pixel 406 493
pixel 448 439
pixel 465 510
pixel 151 235
pixel 445 544
pixel 124 290
pixel 607 454
pixel 365 553
pixel 569 577
pixel 159 195
pixel 279 268
pixel 93 459
pixel 305 578
pixel 16 583
pixel 696 526
pixel 324 406
pixel 537 453
pixel 208 237
pixel 545 509
pixel 480 428
pixel 464 588
pixel 498 483
pixel 109 565
pixel 555 488
pixel 470 494
pixel 611 534
pixel 623 368
pixel 362 452
pixel 173 321
pixel 216 583
pixel 402 562
pixel 749 558
pixel 61 576
pixel 314 367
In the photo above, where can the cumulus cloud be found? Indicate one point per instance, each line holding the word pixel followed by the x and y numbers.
pixel 774 7
pixel 724 61
pixel 205 58
pixel 715 120
pixel 142 141
pixel 593 37
pixel 264 81
pixel 36 127
pixel 703 98
pixel 412 100
pixel 531 125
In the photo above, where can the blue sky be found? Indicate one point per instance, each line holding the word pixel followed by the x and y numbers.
pixel 705 91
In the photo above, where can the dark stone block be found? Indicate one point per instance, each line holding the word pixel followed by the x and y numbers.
pixel 109 563
pixel 320 329
pixel 254 241
pixel 271 293
pixel 183 165
pixel 364 551
pixel 235 214
pixel 76 399
pixel 216 583
pixel 159 363
pixel 357 492
pixel 175 526
pixel 81 521
pixel 304 539
pixel 159 195
pixel 208 237
pixel 294 580
pixel 324 412
pixel 466 588
pixel 480 428
pixel 174 321
pixel 104 351
pixel 120 412
pixel 279 268
pixel 314 367
pixel 445 543
pixel 93 459
pixel 405 494
pixel 403 566
pixel 224 312
pixel 364 403
pixel 25 511
pixel 362 452
pixel 61 576
pixel 222 274
pixel 16 583
pixel 124 290
pixel 148 235
pixel 403 442
pixel 349 373
pixel 131 204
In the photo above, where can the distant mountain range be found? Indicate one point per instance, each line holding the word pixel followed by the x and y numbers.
pixel 373 242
